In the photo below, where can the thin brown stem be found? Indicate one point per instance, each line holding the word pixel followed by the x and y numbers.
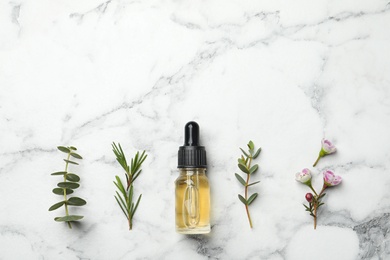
pixel 315 215
pixel 246 193
pixel 316 205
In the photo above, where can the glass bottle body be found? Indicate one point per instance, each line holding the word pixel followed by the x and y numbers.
pixel 192 201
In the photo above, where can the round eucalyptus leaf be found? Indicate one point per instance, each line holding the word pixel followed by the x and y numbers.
pixel 76 201
pixel 57 205
pixel 63 149
pixel 58 173
pixel 71 162
pixel 75 155
pixel 68 185
pixel 60 191
pixel 72 177
pixel 68 218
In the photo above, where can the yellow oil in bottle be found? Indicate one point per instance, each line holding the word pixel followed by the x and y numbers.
pixel 192 201
pixel 192 186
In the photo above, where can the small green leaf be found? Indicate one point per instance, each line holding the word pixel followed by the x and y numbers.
pixel 76 201
pixel 136 205
pixel 251 145
pixel 63 149
pixel 123 210
pixel 60 191
pixel 57 205
pixel 252 198
pixel 243 168
pixel 241 161
pixel 243 200
pixel 68 218
pixel 136 175
pixel 71 162
pixel 68 185
pixel 58 173
pixel 244 152
pixel 119 184
pixel 311 214
pixel 72 177
pixel 253 169
pixel 73 148
pixel 75 155
pixel 257 153
pixel 253 183
pixel 307 208
pixel 240 179
pixel 320 197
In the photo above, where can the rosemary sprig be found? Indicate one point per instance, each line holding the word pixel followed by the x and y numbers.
pixel 132 172
pixel 67 187
pixel 244 163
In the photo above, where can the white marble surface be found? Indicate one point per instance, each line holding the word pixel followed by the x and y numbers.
pixel 282 73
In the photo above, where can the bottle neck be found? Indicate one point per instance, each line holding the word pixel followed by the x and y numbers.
pixel 192 171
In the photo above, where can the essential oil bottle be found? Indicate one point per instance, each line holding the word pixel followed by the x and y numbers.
pixel 192 185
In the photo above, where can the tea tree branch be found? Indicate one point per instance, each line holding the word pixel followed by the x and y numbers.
pixel 67 187
pixel 245 165
pixel 124 197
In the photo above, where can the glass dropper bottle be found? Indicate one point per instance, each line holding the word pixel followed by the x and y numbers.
pixel 192 185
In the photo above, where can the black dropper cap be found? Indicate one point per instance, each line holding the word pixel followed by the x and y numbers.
pixel 192 155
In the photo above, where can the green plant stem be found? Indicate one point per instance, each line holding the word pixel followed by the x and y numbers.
pixel 246 193
pixel 316 205
pixel 315 163
pixel 311 187
pixel 65 198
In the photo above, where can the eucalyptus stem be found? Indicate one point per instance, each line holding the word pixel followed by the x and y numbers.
pixel 245 165
pixel 246 193
pixel 67 186
pixel 65 197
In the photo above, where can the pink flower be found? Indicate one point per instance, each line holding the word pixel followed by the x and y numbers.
pixel 327 147
pixel 304 176
pixel 330 179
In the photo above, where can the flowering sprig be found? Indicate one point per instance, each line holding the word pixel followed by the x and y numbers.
pixel 326 148
pixel 330 180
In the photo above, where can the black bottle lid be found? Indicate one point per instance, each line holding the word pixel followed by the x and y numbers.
pixel 191 154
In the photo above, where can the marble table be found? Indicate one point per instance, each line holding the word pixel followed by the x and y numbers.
pixel 284 74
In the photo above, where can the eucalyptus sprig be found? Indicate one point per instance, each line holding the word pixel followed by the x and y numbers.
pixel 67 187
pixel 132 172
pixel 244 163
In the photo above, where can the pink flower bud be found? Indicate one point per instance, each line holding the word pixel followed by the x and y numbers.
pixel 327 147
pixel 330 179
pixel 304 176
pixel 309 197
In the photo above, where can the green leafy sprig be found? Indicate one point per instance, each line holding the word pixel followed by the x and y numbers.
pixel 244 163
pixel 132 172
pixel 69 184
